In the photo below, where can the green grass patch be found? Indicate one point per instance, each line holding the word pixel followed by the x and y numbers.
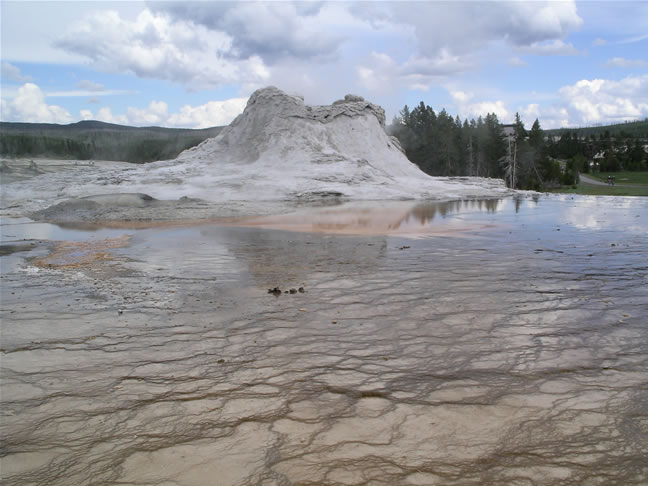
pixel 626 177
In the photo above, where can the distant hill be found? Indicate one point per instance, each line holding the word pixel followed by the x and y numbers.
pixel 91 139
pixel 636 129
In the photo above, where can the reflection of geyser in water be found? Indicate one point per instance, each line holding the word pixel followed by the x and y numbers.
pixel 404 217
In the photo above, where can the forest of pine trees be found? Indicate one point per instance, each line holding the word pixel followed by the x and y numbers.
pixel 97 140
pixel 445 146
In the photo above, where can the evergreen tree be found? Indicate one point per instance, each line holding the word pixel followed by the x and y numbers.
pixel 520 132
pixel 536 137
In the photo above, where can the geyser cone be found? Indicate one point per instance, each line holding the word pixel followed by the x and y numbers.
pixel 281 148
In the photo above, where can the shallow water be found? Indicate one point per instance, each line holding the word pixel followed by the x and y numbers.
pixel 513 351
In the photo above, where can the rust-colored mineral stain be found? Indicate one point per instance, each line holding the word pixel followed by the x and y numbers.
pixel 69 254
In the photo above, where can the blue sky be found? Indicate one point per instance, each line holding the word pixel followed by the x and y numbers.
pixel 194 64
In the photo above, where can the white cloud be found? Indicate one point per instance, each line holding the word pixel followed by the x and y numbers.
pixel 380 73
pixel 588 102
pixel 530 112
pixel 621 62
pixel 271 30
pixel 461 97
pixel 556 47
pixel 439 25
pixel 88 85
pixel 86 115
pixel 213 113
pixel 28 105
pixel 12 73
pixel 155 114
pixel 153 45
pixel 29 29
pixel 483 107
pixel 548 116
pixel 75 93
pixel 467 108
pixel 606 101
pixel 533 22
pixel 446 42
pixel 633 39
pixel 105 114
pixel 598 42
pixel 208 44
pixel 444 64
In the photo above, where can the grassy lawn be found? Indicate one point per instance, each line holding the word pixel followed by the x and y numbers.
pixel 623 177
pixel 639 190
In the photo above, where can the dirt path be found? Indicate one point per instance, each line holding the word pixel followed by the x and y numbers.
pixel 595 182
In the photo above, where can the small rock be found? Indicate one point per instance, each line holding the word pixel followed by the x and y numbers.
pixel 120 311
pixel 333 322
pixel 303 310
pixel 220 360
pixel 275 291
pixel 293 291
pixel 301 290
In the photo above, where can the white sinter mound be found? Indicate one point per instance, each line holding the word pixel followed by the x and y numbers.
pixel 280 148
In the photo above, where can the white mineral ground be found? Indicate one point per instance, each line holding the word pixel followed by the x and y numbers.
pixel 497 341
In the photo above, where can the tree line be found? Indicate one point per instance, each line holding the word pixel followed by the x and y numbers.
pixel 442 145
pixel 98 141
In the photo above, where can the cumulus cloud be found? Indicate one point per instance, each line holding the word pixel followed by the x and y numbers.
pixel 604 100
pixel 271 30
pixel 552 116
pixel 468 108
pixel 155 114
pixel 86 115
pixel 12 73
pixel 621 62
pixel 213 113
pixel 154 45
pixel 592 101
pixel 29 106
pixel 105 114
